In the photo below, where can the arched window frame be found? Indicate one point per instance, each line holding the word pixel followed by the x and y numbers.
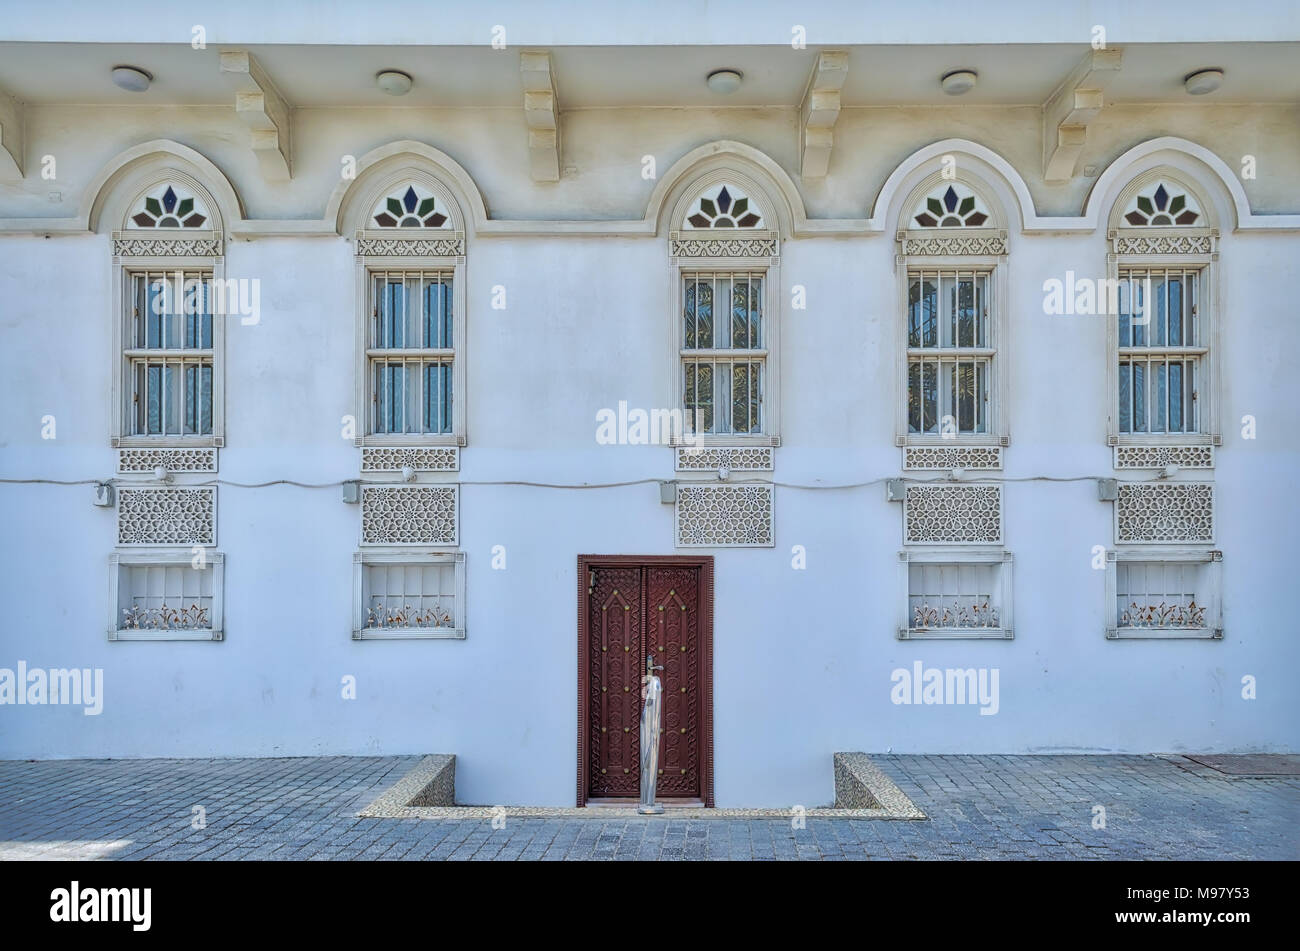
pixel 1182 248
pixel 740 250
pixel 981 249
pixel 198 251
pixel 392 250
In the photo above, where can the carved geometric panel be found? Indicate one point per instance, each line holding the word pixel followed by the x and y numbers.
pixel 937 245
pixel 739 459
pixel 724 516
pixel 145 244
pixel 419 458
pixel 952 514
pixel 167 516
pixel 761 245
pixel 952 457
pixel 409 515
pixel 1164 512
pixel 379 244
pixel 1157 457
pixel 1164 244
pixel 173 460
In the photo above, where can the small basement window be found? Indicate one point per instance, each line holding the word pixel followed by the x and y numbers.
pixel 956 595
pixel 402 595
pixel 1172 597
pixel 166 596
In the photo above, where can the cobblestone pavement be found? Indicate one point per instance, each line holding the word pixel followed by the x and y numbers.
pixel 980 807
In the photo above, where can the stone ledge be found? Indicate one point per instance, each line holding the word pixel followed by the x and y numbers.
pixel 860 784
pixel 428 792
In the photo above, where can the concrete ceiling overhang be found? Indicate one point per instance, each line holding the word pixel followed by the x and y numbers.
pixel 593 77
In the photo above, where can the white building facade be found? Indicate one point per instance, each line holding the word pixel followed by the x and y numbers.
pixel 342 423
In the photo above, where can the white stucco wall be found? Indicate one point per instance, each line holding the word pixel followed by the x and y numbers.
pixel 802 657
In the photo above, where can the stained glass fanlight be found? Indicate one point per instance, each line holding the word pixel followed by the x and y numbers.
pixel 169 209
pixel 949 207
pixel 726 207
pixel 409 207
pixel 1162 206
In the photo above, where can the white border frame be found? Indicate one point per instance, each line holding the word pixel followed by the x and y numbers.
pixel 405 556
pixel 1210 580
pixel 1000 557
pixel 999 267
pixel 215 561
pixel 1209 391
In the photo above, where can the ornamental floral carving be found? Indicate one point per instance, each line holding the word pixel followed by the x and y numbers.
pixel 952 457
pixel 749 246
pixel 173 460
pixel 949 514
pixel 133 244
pixel 724 516
pixel 421 459
pixel 452 245
pixel 953 244
pixel 739 459
pixel 1157 457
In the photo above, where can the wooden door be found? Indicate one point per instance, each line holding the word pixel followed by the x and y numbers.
pixel 630 609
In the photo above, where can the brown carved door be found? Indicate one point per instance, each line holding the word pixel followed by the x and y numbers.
pixel 633 610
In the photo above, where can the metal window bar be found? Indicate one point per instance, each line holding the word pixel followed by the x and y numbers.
pixel 1160 357
pixel 170 354
pixel 949 350
pixel 723 360
pixel 411 352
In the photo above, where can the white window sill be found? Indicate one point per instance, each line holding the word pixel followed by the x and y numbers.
pixel 408 633
pixel 166 634
pixel 928 440
pixel 168 442
pixel 409 440
pixel 955 633
pixel 726 441
pixel 1164 633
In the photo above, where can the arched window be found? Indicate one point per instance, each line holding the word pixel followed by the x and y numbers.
pixel 411 330
pixel 952 271
pixel 1162 266
pixel 172 297
pixel 726 314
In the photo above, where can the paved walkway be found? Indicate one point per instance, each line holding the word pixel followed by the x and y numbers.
pixel 1016 807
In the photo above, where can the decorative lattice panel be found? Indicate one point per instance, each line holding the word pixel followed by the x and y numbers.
pixel 948 514
pixel 948 244
pixel 952 457
pixel 409 515
pixel 761 245
pixel 738 459
pixel 1164 244
pixel 1164 512
pixel 1157 457
pixel 724 516
pixel 450 245
pixel 173 460
pixel 421 459
pixel 167 516
pixel 140 244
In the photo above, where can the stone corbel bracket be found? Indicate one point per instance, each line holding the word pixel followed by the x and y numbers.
pixel 261 107
pixel 818 112
pixel 542 114
pixel 1069 110
pixel 11 139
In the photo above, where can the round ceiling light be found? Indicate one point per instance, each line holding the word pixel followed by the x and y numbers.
pixel 725 81
pixel 394 82
pixel 131 79
pixel 1203 81
pixel 959 81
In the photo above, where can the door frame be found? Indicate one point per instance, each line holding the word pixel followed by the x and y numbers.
pixel 705 564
